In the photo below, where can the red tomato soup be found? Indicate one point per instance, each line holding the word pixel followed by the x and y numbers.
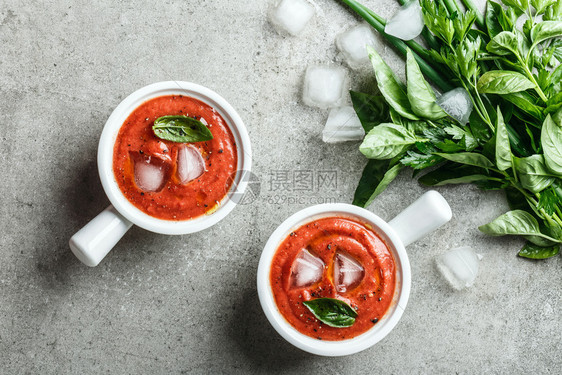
pixel 162 193
pixel 333 257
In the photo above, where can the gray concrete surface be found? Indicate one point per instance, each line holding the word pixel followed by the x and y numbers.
pixel 188 304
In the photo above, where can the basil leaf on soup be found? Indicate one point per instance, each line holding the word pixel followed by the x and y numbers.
pixel 332 312
pixel 181 129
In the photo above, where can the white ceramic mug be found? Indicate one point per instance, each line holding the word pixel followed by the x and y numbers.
pixel 423 216
pixel 92 243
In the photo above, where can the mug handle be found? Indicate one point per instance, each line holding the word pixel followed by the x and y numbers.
pixel 426 214
pixel 92 243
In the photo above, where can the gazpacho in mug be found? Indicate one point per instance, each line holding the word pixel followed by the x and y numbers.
pixel 333 278
pixel 174 157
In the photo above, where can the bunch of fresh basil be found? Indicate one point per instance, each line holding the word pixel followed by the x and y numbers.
pixel 513 140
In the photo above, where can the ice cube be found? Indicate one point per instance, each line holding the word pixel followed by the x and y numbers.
pixel 348 273
pixel 190 163
pixel 353 45
pixel 457 104
pixel 459 266
pixel 306 270
pixel 324 86
pixel 407 23
pixel 291 16
pixel 150 172
pixel 342 125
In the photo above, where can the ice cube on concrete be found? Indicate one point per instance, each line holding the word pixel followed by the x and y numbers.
pixel 291 16
pixel 348 273
pixel 353 45
pixel 459 266
pixel 407 23
pixel 150 172
pixel 457 104
pixel 342 125
pixel 307 269
pixel 190 163
pixel 324 86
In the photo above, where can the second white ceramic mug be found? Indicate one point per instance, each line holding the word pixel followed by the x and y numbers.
pixel 426 214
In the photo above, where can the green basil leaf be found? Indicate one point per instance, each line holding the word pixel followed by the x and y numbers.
pixel 390 87
pixel 387 141
pixel 387 178
pixel 516 222
pixel 525 102
pixel 503 149
pixel 415 126
pixel 518 144
pixel 494 13
pixel 523 45
pixel 332 312
pixel 541 5
pixel 533 251
pixel 491 184
pixel 520 5
pixel 181 129
pixel 452 174
pixel 503 44
pixel 420 94
pixel 552 228
pixel 479 128
pixel 431 179
pixel 468 158
pixel 546 30
pixel 371 110
pixel 556 79
pixel 553 12
pixel 375 178
pixel 551 140
pixel 503 82
pixel 513 14
pixel 533 174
